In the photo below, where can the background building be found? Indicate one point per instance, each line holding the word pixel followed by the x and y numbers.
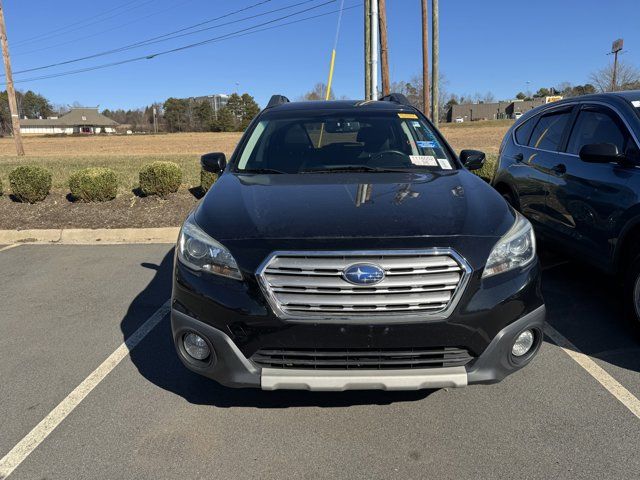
pixel 77 120
pixel 217 101
pixel 470 112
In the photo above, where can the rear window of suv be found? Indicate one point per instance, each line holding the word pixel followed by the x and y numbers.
pixel 523 132
pixel 547 133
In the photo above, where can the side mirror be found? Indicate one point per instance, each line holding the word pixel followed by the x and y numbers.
pixel 472 159
pixel 213 162
pixel 600 153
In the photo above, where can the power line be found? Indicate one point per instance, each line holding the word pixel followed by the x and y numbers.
pixel 170 36
pixel 107 30
pixel 64 30
pixel 239 33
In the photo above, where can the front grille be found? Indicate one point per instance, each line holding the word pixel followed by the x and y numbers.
pixel 372 359
pixel 312 285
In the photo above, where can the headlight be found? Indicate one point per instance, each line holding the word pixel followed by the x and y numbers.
pixel 515 249
pixel 199 251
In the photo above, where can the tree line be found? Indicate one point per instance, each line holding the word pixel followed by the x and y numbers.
pixel 187 115
pixel 173 115
pixel 30 105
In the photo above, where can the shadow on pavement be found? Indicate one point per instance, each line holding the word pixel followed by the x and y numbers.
pixel 585 306
pixel 157 361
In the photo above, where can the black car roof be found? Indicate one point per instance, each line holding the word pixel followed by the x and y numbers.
pixel 607 97
pixel 340 105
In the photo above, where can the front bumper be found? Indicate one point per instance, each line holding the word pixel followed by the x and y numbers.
pixel 230 367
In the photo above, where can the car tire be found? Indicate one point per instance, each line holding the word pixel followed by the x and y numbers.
pixel 632 293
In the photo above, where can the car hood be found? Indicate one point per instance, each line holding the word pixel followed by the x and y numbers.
pixel 352 205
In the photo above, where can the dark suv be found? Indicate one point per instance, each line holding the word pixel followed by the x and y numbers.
pixel 571 167
pixel 345 246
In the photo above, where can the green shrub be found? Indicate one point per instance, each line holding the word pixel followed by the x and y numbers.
pixel 160 178
pixel 207 179
pixel 94 184
pixel 29 183
pixel 488 170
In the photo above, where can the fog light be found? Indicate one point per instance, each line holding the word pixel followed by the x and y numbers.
pixel 196 346
pixel 523 343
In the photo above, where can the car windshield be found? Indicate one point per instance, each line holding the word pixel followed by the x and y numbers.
pixel 331 143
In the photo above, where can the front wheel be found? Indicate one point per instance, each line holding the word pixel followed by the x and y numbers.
pixel 632 293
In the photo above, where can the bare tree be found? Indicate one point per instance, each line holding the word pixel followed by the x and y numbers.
pixel 414 93
pixel 318 92
pixel 627 78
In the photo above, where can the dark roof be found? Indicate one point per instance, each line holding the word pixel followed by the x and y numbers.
pixel 77 116
pixel 311 106
pixel 629 95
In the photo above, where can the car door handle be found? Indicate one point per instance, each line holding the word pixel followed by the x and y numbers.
pixel 559 169
pixel 518 157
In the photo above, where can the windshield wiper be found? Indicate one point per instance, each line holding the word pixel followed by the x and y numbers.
pixel 260 170
pixel 353 168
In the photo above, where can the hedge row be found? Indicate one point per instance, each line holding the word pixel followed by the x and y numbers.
pixel 31 184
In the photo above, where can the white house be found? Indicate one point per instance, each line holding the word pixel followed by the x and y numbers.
pixel 77 120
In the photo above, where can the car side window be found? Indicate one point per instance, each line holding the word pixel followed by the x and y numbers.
pixel 523 132
pixel 547 133
pixel 597 125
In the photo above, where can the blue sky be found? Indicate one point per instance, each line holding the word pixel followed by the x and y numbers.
pixel 494 46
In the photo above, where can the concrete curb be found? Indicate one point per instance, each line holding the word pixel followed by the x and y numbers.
pixel 100 236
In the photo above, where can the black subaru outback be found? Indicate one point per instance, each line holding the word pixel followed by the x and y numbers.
pixel 346 246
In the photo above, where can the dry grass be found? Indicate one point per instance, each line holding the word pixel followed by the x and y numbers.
pixel 166 144
pixel 485 136
pixel 126 154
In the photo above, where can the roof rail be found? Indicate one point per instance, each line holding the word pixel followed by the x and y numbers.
pixel 396 98
pixel 277 100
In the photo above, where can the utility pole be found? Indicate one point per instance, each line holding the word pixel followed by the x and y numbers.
pixel 155 120
pixel 375 29
pixel 615 48
pixel 425 59
pixel 367 50
pixel 11 93
pixel 435 58
pixel 384 48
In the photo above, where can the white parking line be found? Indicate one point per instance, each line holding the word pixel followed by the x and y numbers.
pixel 9 247
pixel 596 371
pixel 36 436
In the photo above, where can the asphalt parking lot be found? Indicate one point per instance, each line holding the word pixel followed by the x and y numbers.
pixel 67 309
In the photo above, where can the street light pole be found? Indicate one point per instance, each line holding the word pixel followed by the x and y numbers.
pixel 425 59
pixel 375 29
pixel 435 58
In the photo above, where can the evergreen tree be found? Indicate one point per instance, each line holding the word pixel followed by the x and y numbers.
pixel 249 110
pixel 176 114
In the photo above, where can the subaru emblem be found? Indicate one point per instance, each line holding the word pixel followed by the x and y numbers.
pixel 363 274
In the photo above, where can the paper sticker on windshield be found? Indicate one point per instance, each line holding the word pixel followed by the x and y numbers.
pixel 444 164
pixel 408 115
pixel 423 160
pixel 416 124
pixel 636 103
pixel 426 144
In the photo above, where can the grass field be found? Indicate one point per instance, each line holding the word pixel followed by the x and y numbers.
pixel 127 153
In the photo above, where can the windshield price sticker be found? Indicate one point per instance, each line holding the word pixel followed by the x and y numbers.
pixel 408 115
pixel 423 160
pixel 444 164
